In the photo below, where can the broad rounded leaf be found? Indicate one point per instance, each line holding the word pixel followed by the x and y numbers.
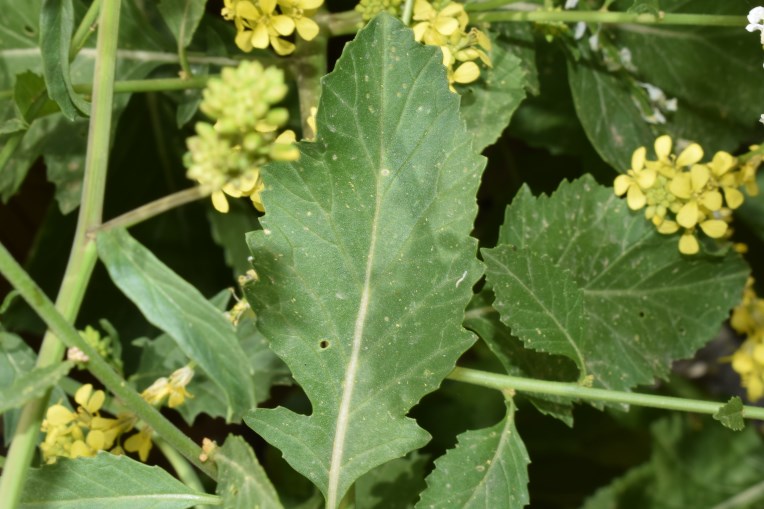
pixel 365 260
pixel 644 303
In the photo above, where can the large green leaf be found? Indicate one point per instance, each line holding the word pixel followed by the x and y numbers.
pixel 242 482
pixel 487 468
pixel 107 480
pixel 693 464
pixel 176 307
pixel 365 260
pixel 643 303
pixel 56 22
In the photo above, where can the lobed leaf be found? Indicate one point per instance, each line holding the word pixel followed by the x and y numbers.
pixel 107 480
pixel 176 307
pixel 364 257
pixel 643 303
pixel 242 482
pixel 487 468
pixel 731 414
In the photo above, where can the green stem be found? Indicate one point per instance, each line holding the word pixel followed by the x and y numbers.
pixel 152 209
pixel 668 18
pixel 151 85
pixel 105 374
pixel 81 258
pixel 182 467
pixel 575 391
pixel 408 9
pixel 86 27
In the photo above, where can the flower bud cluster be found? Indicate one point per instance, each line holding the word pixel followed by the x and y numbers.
pixel 263 23
pixel 748 361
pixel 226 157
pixel 444 23
pixel 680 192
pixel 370 8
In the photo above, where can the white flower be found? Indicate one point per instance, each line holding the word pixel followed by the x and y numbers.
pixel 571 4
pixel 761 119
pixel 755 18
pixel 579 30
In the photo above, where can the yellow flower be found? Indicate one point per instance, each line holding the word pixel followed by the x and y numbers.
pixel 173 387
pixel 435 26
pixel 258 25
pixel 140 443
pixel 637 180
pixel 299 10
pixel 721 167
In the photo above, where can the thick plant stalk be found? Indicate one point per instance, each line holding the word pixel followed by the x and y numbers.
pixel 83 254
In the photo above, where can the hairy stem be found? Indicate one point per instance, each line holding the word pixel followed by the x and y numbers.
pixel 667 18
pixel 575 391
pixel 82 256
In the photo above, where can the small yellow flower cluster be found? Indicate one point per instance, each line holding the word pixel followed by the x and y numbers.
pixel 225 157
pixel 444 24
pixel 259 24
pixel 681 192
pixel 83 432
pixel 748 360
pixel 370 8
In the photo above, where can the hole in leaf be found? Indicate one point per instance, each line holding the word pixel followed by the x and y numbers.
pixel 324 344
pixel 30 31
pixel 642 314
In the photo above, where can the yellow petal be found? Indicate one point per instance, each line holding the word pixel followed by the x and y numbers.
pixel 259 38
pixel 284 25
pixel 247 10
pixel 758 353
pixel 307 28
pixel 722 163
pixel 680 186
pixel 96 440
pixel 688 214
pixel 267 6
pixel 688 244
pixel 668 227
pixel 452 10
pixel 712 200
pixel 742 363
pixel 59 415
pixel 714 228
pixel 287 136
pixel 466 73
pixel 80 449
pixel 83 394
pixel 281 46
pixel 646 179
pixel 95 402
pixel 699 175
pixel 423 10
pixel 309 5
pixel 635 198
pixel 446 26
pixel 663 146
pixel 219 202
pixel 734 197
pixel 638 159
pixel 691 155
pixel 621 185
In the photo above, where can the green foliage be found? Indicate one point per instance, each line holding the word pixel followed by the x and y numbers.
pixel 242 482
pixel 182 17
pixel 107 480
pixel 693 464
pixel 32 384
pixel 382 189
pixel 56 25
pixel 486 469
pixel 200 331
pixel 589 279
pixel 731 414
